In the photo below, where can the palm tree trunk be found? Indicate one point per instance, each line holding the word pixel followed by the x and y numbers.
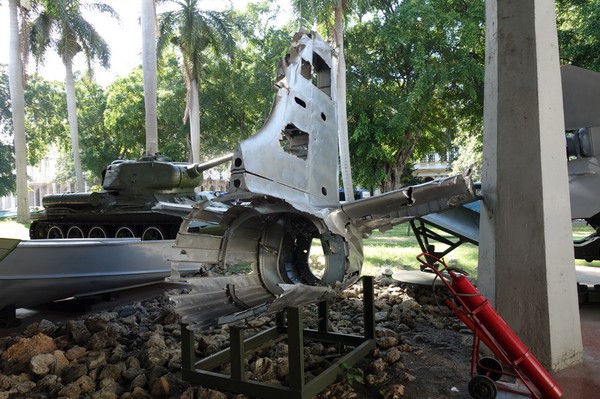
pixel 72 116
pixel 150 79
pixel 195 121
pixel 17 99
pixel 341 105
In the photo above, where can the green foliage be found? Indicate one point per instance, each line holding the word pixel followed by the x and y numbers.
pixel 415 85
pixel 45 117
pixel 65 169
pixel 120 130
pixel 7 165
pixel 237 95
pixel 353 374
pixel 7 159
pixel 321 12
pixel 415 79
pixel 199 36
pixel 5 110
pixel 193 32
pixel 578 23
pixel 60 25
pixel 172 131
pixel 112 120
pixel 124 117
pixel 470 155
pixel 95 142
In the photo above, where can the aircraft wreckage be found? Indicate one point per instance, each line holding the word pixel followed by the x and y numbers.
pixel 284 184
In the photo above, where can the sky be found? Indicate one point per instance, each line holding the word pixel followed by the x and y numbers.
pixel 124 39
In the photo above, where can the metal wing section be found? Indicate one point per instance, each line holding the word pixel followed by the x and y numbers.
pixel 384 211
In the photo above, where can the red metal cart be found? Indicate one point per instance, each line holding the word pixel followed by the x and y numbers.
pixel 513 358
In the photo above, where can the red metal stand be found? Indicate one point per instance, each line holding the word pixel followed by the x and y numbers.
pixel 514 358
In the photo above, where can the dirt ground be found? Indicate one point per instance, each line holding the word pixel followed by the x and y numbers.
pixel 436 366
pixel 440 363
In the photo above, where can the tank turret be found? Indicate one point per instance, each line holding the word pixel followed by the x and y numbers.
pixel 123 208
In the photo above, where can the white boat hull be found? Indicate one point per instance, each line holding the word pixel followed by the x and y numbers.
pixel 41 271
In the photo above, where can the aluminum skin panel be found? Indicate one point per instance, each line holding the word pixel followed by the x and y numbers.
pixel 283 197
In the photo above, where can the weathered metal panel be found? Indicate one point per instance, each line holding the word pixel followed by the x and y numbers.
pixel 284 183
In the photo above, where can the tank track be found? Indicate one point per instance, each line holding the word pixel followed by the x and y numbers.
pixel 145 231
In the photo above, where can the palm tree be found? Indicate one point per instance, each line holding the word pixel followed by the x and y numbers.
pixel 149 67
pixel 194 32
pixel 17 99
pixel 317 10
pixel 61 26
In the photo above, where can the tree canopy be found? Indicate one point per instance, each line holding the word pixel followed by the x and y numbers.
pixel 414 86
pixel 415 79
pixel 60 25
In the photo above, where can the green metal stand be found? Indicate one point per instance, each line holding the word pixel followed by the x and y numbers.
pixel 200 372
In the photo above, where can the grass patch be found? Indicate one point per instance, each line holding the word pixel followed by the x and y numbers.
pixel 581 230
pixel 398 248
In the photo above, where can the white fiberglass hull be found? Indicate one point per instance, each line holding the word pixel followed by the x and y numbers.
pixel 40 271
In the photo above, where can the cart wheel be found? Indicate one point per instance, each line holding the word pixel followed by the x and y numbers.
pixel 489 367
pixel 482 387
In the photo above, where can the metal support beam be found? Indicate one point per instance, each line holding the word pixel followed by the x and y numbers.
pixel 201 372
pixel 295 349
pixel 324 325
pixel 237 353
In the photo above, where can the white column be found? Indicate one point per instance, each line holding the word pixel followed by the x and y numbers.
pixel 526 265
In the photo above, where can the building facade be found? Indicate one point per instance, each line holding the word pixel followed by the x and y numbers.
pixel 433 166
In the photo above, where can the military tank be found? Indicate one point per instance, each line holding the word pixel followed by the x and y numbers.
pixel 123 209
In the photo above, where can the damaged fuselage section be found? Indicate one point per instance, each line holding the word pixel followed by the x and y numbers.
pixel 283 202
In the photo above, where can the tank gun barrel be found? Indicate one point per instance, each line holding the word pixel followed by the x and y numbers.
pixel 197 169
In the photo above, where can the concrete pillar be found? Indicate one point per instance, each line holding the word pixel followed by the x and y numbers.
pixel 526 265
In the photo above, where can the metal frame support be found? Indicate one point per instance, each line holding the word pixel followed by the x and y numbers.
pixel 202 372
pixel 423 234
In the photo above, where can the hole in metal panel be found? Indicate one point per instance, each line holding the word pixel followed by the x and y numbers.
pixel 294 141
pixel 322 74
pixel 300 102
pixel 317 262
pixel 318 72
